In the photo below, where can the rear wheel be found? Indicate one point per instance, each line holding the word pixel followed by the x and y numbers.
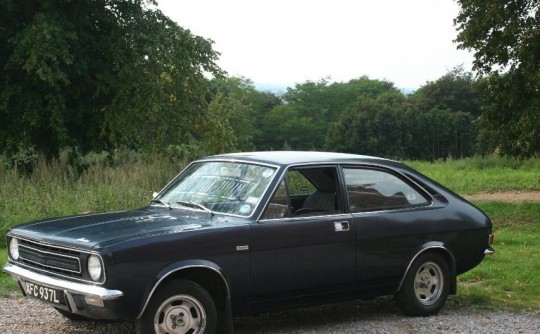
pixel 179 307
pixel 426 286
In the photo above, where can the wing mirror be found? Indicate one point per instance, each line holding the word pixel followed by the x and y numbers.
pixel 154 194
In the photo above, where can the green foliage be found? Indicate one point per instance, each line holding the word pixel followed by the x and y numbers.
pixel 236 105
pixel 391 125
pixel 8 286
pixel 363 128
pixel 439 134
pixel 283 126
pixel 510 122
pixel 504 36
pixel 456 90
pixel 98 75
pixel 303 121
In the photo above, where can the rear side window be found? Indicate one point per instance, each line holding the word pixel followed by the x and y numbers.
pixel 371 189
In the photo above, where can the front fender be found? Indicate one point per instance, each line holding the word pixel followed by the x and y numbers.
pixel 175 268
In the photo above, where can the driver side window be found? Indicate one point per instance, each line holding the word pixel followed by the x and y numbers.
pixel 305 192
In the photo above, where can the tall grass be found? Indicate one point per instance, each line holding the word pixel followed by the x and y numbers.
pixel 56 188
pixel 483 174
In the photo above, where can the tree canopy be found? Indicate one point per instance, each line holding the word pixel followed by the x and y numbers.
pixel 505 37
pixel 98 75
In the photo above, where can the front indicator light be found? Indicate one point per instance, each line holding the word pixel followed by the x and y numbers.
pixel 95 267
pixel 14 249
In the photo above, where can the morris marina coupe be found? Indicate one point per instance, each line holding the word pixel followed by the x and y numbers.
pixel 249 232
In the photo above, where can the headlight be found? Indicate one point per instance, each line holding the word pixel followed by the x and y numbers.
pixel 95 268
pixel 14 249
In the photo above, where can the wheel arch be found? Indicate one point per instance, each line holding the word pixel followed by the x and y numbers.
pixel 203 272
pixel 438 248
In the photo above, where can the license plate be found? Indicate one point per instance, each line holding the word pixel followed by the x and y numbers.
pixel 44 293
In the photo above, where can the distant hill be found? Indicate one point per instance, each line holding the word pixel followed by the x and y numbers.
pixel 275 88
pixel 281 88
pixel 408 91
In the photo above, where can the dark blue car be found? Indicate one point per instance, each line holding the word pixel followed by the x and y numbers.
pixel 250 232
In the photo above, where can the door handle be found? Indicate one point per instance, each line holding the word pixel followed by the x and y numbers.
pixel 341 226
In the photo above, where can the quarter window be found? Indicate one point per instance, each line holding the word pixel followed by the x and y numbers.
pixel 370 189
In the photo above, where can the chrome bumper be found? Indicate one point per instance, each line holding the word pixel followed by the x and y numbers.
pixel 489 251
pixel 94 295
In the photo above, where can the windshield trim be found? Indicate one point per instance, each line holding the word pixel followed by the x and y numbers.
pixel 248 162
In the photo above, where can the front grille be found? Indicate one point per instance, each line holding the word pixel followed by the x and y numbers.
pixel 50 258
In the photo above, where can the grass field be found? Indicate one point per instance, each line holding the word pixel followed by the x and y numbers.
pixel 508 279
pixel 489 174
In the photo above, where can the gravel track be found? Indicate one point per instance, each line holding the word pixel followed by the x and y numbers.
pixel 507 196
pixel 21 315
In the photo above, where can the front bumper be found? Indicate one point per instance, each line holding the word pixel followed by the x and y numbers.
pixel 84 299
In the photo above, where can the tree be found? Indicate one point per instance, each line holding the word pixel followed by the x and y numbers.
pixel 252 108
pixel 312 106
pixel 456 90
pixel 373 126
pixel 97 75
pixel 505 37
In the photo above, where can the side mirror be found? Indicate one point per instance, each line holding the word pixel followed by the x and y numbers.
pixel 154 194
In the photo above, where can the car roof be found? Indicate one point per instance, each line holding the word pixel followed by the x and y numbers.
pixel 283 158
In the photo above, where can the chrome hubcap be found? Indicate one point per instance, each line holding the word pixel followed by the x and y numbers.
pixel 428 283
pixel 180 314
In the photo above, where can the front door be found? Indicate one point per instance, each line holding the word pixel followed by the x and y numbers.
pixel 304 243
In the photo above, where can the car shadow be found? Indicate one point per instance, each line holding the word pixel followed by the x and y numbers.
pixel 319 318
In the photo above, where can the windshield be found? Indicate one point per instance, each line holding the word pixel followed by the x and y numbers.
pixel 227 187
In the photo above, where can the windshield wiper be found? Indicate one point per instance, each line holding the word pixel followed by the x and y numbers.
pixel 155 200
pixel 196 206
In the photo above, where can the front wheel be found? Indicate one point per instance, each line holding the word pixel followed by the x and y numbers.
pixel 179 307
pixel 426 286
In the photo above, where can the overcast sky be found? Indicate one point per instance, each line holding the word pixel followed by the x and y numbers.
pixel 292 41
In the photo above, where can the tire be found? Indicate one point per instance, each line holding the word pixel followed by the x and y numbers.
pixel 71 316
pixel 426 286
pixel 179 307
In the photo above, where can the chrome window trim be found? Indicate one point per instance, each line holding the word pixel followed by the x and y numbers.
pixel 175 271
pixel 249 162
pixel 340 165
pixel 426 194
pixel 282 177
pixel 329 216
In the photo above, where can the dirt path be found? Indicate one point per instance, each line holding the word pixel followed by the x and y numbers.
pixel 508 196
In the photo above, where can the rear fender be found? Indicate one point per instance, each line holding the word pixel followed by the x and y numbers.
pixel 439 247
